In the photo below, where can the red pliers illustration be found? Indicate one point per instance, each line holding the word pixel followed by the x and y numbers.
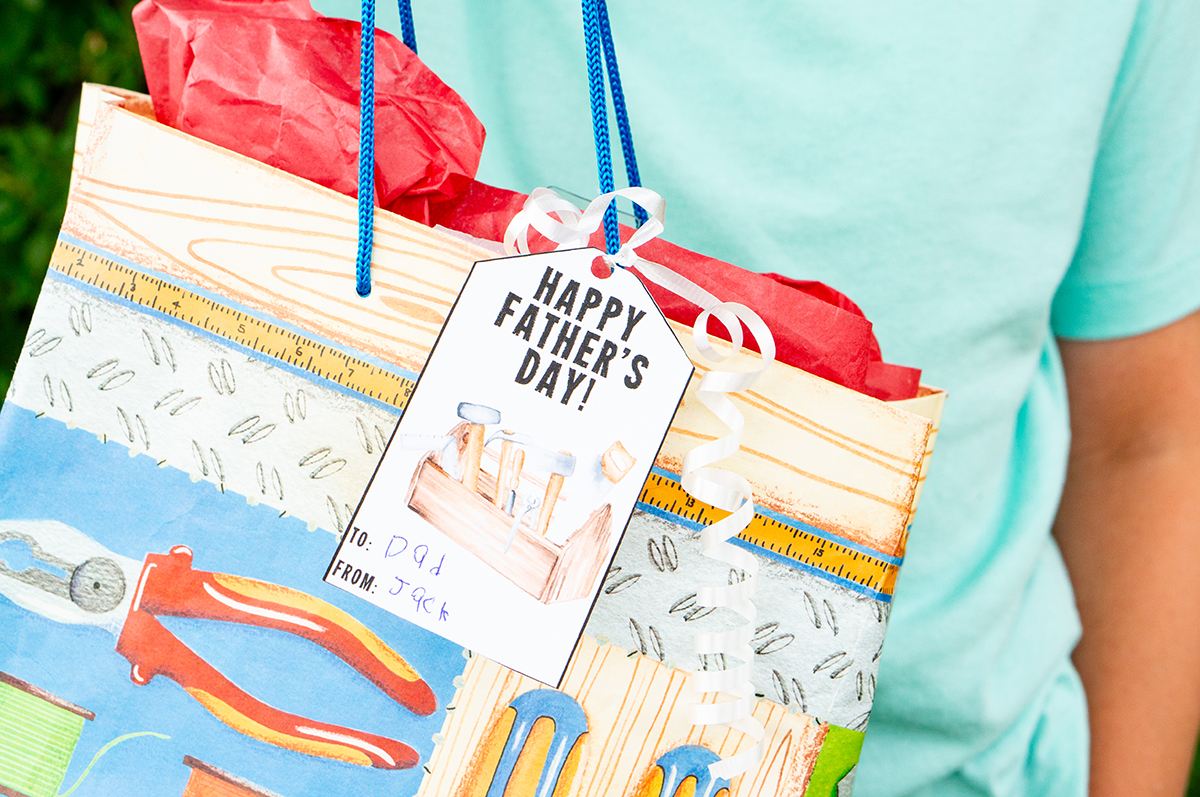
pixel 127 597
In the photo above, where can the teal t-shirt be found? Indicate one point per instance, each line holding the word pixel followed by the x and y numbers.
pixel 980 178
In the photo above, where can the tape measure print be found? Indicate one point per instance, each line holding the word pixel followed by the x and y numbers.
pixel 794 542
pixel 873 573
pixel 235 325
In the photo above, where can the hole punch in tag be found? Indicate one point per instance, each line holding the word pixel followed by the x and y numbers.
pixel 500 500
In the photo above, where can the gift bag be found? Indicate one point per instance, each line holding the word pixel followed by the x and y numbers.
pixel 200 404
pixel 203 400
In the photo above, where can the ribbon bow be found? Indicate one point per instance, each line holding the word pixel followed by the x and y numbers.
pixel 574 228
pixel 722 488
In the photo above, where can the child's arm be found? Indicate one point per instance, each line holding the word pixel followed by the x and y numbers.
pixel 1129 529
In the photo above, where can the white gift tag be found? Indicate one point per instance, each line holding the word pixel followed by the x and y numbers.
pixel 498 505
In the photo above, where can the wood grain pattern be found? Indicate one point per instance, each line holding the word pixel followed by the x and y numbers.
pixel 584 554
pixel 928 404
pixel 814 451
pixel 637 709
pixel 479 527
pixel 547 571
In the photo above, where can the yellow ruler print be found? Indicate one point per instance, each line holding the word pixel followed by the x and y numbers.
pixel 844 562
pixel 235 325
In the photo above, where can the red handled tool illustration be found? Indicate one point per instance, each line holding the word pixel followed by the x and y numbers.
pixel 98 587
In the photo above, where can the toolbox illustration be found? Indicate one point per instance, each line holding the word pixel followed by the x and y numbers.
pixel 495 492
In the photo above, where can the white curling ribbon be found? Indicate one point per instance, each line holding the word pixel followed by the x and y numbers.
pixel 573 229
pixel 720 488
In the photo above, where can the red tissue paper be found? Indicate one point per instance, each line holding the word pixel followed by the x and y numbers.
pixel 277 82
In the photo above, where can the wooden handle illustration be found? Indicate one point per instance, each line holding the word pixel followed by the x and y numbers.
pixel 153 650
pixel 171 587
pixel 476 415
pixel 553 487
pixel 508 479
pixel 515 479
pixel 504 474
pixel 470 476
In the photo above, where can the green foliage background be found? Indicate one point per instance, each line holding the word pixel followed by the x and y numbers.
pixel 47 49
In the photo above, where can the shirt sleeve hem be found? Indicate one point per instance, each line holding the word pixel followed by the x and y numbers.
pixel 1121 310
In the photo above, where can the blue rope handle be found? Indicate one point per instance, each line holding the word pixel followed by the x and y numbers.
pixel 599 45
pixel 407 31
pixel 366 152
pixel 597 34
pixel 618 95
pixel 604 169
pixel 366 137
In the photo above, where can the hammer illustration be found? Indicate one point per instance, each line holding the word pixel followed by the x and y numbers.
pixel 477 417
